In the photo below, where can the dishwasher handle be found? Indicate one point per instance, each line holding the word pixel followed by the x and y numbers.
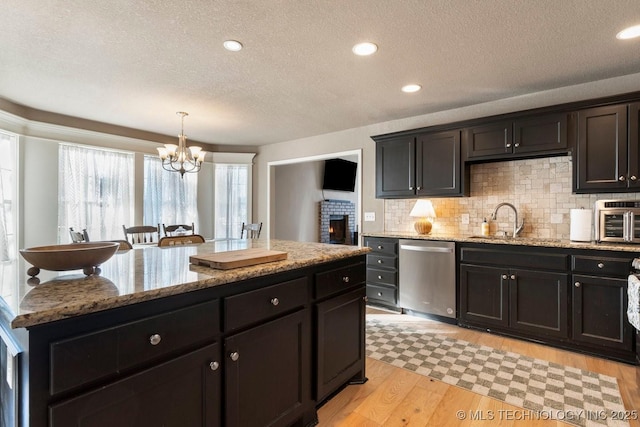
pixel 426 248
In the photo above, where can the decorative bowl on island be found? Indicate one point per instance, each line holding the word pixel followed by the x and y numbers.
pixel 75 256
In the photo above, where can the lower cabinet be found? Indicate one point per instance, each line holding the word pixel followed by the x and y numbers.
pixel 512 298
pixel 575 299
pixel 182 392
pixel 268 372
pixel 341 341
pixel 599 312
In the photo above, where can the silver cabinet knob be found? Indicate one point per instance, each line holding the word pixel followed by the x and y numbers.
pixel 365 299
pixel 513 277
pixel 633 177
pixel 234 356
pixel 600 265
pixel 155 339
pixel 275 301
pixel 379 294
pixel 517 144
pixel 621 178
pixel 410 188
pixel 419 188
pixel 577 284
pixel 379 277
pixel 508 145
pixel 345 279
pixel 505 277
pixel 379 261
pixel 380 247
pixel 214 366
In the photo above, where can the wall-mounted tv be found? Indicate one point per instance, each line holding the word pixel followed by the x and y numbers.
pixel 339 175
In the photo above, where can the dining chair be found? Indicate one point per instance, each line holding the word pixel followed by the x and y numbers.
pixel 187 239
pixel 253 230
pixel 170 230
pixel 141 234
pixel 77 236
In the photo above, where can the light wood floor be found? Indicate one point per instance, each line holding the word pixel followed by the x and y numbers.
pixel 397 397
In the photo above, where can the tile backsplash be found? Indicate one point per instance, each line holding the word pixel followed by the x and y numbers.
pixel 539 188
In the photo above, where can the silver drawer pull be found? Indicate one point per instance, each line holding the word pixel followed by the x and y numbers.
pixel 379 277
pixel 379 294
pixel 577 284
pixel 600 265
pixel 379 261
pixel 275 301
pixel 155 339
pixel 214 366
pixel 345 279
pixel 234 356
pixel 380 247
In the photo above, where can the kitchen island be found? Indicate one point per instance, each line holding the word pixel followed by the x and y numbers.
pixel 155 340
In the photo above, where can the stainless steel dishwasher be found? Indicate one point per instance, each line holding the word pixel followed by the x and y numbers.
pixel 427 277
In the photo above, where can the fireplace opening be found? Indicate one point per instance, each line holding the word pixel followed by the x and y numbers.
pixel 338 229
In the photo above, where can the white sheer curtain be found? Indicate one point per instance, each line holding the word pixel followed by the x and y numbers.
pixel 8 176
pixel 231 199
pixel 95 188
pixel 169 198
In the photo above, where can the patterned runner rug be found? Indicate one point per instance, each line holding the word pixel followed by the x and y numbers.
pixel 549 390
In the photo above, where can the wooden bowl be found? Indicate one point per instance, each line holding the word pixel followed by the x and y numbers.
pixel 75 256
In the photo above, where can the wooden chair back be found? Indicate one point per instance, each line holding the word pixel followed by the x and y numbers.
pixel 187 239
pixel 141 234
pixel 253 230
pixel 170 230
pixel 78 236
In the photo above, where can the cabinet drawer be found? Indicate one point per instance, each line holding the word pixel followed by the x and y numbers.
pixel 606 266
pixel 385 246
pixel 375 260
pixel 79 360
pixel 334 281
pixel 382 293
pixel 251 307
pixel 387 277
pixel 537 258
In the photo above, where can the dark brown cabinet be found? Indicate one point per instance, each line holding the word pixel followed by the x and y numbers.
pixel 152 397
pixel 600 300
pixel 607 157
pixel 382 271
pixel 269 368
pixel 523 137
pixel 510 298
pixel 420 164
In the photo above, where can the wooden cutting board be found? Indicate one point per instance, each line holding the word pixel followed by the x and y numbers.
pixel 239 258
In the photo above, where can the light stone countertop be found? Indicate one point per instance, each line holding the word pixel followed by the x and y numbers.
pixel 144 274
pixel 518 241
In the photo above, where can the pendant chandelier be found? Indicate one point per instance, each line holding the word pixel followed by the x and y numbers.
pixel 180 158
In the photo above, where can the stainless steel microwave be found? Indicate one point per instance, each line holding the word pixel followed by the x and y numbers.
pixel 617 221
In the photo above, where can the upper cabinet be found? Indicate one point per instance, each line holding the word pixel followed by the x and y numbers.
pixel 522 137
pixel 420 165
pixel 607 157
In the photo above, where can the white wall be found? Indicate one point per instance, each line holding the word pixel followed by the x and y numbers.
pixel 360 138
pixel 297 194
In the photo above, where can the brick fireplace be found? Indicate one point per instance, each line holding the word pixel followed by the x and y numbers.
pixel 337 221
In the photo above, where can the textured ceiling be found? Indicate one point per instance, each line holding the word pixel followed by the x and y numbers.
pixel 135 63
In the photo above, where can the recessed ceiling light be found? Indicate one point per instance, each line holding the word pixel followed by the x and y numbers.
pixel 364 49
pixel 411 88
pixel 629 33
pixel 232 45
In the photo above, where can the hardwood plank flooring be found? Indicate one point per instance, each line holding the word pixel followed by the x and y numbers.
pixel 397 397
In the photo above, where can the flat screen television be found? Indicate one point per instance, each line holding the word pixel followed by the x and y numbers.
pixel 339 175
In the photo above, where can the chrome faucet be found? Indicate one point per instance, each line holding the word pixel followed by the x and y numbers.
pixel 516 229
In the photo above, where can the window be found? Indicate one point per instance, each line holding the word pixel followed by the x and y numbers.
pixel 95 187
pixel 169 198
pixel 231 199
pixel 8 192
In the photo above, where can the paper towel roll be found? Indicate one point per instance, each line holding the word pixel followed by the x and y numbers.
pixel 581 225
